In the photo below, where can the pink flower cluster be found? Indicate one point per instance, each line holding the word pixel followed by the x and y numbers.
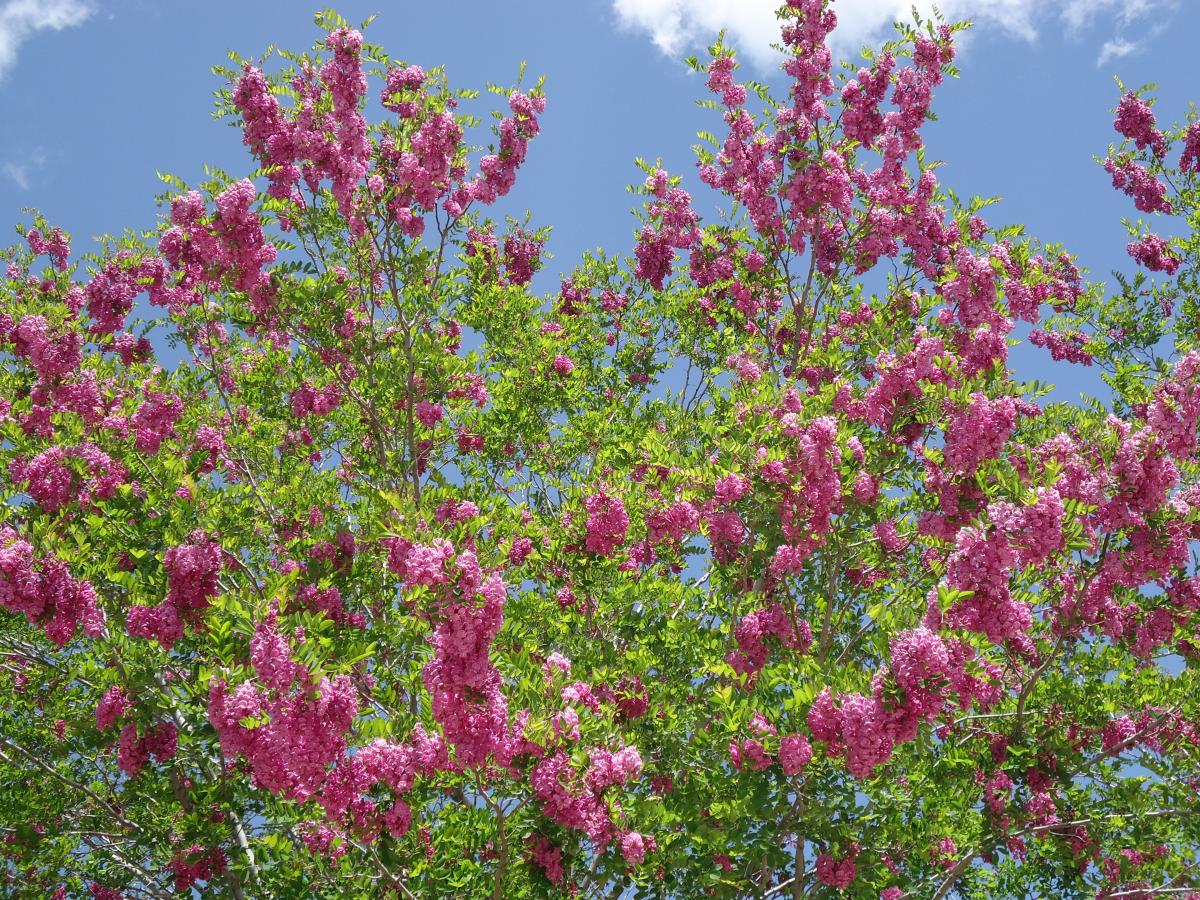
pixel 111 291
pixel 427 413
pixel 112 707
pixel 795 752
pixel 296 728
pixel 498 171
pixel 419 176
pixel 393 765
pixel 1154 253
pixel 547 856
pixel 44 592
pixel 200 254
pixel 898 382
pixel 310 401
pixel 672 226
pixel 673 523
pixel 347 84
pixel 1035 531
pixel 983 564
pixel 912 690
pixel 973 290
pixel 806 510
pixel 1189 159
pixel 328 601
pixel 978 432
pixel 634 847
pixel 747 165
pixel 420 564
pixel 1135 120
pixel 402 86
pixel 134 750
pixel 837 872
pixel 522 256
pixel 51 355
pixel 54 245
pixel 466 690
pixel 1148 193
pixel 155 420
pixel 1063 347
pixel 48 481
pixel 811 59
pixel 750 753
pixel 192 570
pixel 862 120
pixel 720 81
pixel 563 365
pixel 607 523
pixel 751 634
pixel 318 141
pixel 578 802
pixel 1174 413
pixel 197 864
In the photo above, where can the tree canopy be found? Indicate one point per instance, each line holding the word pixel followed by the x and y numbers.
pixel 336 562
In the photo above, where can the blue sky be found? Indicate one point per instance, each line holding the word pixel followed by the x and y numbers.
pixel 96 95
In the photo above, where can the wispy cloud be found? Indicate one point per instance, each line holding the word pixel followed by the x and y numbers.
pixel 1078 13
pixel 676 25
pixel 1115 49
pixel 18 173
pixel 21 172
pixel 21 19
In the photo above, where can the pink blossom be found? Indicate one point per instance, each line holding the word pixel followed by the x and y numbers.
pixel 197 864
pixel 673 226
pixel 866 735
pixel 155 420
pixel 112 706
pixel 1135 120
pixel 825 720
pixel 1189 159
pixel 749 753
pixel 556 662
pixel 834 872
pixel 428 414
pixel 633 848
pixel 547 857
pixel 753 631
pixel 49 482
pixel 795 752
pixel 607 523
pixel 1148 193
pixel 983 564
pixel 44 592
pixel 1154 253
pixel 978 432
pixel 134 750
pixel 730 488
pixel 466 690
pixel 522 256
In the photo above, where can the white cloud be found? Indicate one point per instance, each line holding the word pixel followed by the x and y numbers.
pixel 676 25
pixel 21 172
pixel 20 19
pixel 1115 49
pixel 1078 13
